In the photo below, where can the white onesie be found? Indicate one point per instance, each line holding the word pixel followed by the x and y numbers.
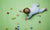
pixel 35 10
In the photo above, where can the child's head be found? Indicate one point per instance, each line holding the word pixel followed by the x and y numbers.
pixel 26 10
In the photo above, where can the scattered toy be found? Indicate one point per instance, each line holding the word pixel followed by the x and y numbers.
pixel 40 29
pixel 17 23
pixel 40 15
pixel 11 8
pixel 17 14
pixel 39 21
pixel 31 27
pixel 13 17
pixel 15 27
pixel 26 6
pixel 6 28
pixel 7 12
pixel 25 19
pixel 37 15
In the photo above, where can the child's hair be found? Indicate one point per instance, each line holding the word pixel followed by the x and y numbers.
pixel 27 12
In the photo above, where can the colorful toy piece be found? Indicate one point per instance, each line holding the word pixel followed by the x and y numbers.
pixel 39 21
pixel 13 17
pixel 7 12
pixel 31 27
pixel 17 14
pixel 6 28
pixel 26 7
pixel 40 15
pixel 15 27
pixel 25 19
pixel 37 15
pixel 18 27
pixel 17 23
pixel 11 8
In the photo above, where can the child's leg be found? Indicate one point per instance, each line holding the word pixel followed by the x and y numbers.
pixel 37 4
pixel 42 10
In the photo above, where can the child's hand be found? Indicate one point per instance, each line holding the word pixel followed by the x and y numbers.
pixel 21 10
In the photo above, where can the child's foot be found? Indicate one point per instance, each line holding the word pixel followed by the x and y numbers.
pixel 45 9
pixel 38 4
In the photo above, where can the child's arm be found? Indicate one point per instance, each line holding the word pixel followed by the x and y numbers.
pixel 29 16
pixel 42 10
pixel 35 5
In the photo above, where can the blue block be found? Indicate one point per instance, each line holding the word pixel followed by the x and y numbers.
pixel 17 25
pixel 17 28
pixel 30 27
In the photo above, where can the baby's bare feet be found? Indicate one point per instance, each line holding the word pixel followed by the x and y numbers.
pixel 45 9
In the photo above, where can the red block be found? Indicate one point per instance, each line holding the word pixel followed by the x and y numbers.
pixel 25 18
pixel 17 14
pixel 15 27
pixel 39 21
pixel 7 12
pixel 17 23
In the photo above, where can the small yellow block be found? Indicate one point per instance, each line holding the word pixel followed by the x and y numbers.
pixel 13 17
pixel 11 8
pixel 6 28
pixel 39 14
pixel 26 7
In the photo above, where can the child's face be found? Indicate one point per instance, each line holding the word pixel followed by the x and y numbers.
pixel 26 10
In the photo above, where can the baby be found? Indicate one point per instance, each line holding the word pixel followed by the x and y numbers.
pixel 33 10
